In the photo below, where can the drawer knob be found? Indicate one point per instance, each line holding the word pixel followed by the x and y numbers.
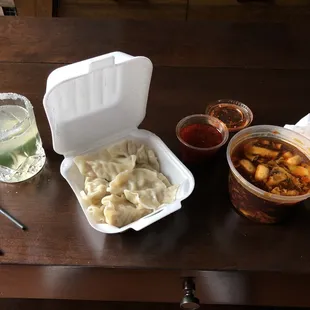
pixel 189 301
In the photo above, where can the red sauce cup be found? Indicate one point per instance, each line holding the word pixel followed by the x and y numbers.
pixel 201 136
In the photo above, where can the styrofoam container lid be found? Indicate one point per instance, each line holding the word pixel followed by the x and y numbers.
pixel 98 102
pixel 93 99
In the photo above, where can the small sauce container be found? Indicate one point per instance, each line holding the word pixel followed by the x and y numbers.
pixel 234 114
pixel 201 136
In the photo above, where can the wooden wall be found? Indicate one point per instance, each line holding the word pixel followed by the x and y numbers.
pixel 34 8
pixel 229 10
pixel 249 11
pixel 128 9
pixel 214 10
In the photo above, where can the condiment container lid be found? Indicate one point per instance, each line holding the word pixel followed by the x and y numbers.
pixel 235 114
pixel 93 100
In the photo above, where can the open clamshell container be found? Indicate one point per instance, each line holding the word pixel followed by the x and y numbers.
pixel 99 102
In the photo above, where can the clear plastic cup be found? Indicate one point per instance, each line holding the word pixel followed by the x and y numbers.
pixel 21 153
pixel 234 114
pixel 209 132
pixel 251 201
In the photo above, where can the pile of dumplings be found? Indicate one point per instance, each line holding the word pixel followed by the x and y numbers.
pixel 123 183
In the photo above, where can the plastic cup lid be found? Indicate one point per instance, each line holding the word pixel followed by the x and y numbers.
pixel 234 114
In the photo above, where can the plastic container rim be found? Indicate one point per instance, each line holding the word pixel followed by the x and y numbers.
pixel 28 106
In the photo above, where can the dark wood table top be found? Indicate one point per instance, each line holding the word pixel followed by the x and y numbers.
pixel 266 66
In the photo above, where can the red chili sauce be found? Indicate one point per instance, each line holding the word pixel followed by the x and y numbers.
pixel 201 136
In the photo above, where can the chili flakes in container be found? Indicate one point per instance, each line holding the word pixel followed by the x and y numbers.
pixel 234 114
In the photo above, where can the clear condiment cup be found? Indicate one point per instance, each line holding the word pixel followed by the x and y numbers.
pixel 200 136
pixel 234 114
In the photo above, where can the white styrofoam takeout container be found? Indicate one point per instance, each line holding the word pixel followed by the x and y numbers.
pixel 101 101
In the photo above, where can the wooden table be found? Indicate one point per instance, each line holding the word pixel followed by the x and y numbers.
pixel 233 260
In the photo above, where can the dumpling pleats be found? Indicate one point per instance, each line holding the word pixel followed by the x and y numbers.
pixel 118 211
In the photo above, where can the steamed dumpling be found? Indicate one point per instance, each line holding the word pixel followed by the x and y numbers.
pixel 151 198
pixel 95 189
pixel 143 188
pixel 123 149
pixel 147 156
pixel 96 212
pixel 119 212
pixel 107 163
pixel 110 169
pixel 85 198
pixel 145 166
pixel 83 161
pixel 143 199
pixel 159 175
pixel 144 155
pixel 164 179
pixel 136 179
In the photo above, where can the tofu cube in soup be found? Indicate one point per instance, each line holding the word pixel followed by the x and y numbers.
pixel 295 160
pixel 263 152
pixel 299 171
pixel 247 166
pixel 261 173
pixel 307 167
pixel 287 155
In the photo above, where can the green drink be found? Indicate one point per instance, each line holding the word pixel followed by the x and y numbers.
pixel 21 152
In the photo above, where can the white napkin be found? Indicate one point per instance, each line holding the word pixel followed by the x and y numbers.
pixel 302 127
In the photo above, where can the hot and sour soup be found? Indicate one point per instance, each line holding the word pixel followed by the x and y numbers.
pixel 273 165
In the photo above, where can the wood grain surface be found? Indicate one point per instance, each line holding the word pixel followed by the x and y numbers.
pixel 208 10
pixel 22 304
pixel 124 9
pixel 61 256
pixel 153 285
pixel 206 234
pixel 199 44
pixel 249 11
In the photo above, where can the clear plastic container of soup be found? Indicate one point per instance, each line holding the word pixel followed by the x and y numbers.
pixel 267 164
